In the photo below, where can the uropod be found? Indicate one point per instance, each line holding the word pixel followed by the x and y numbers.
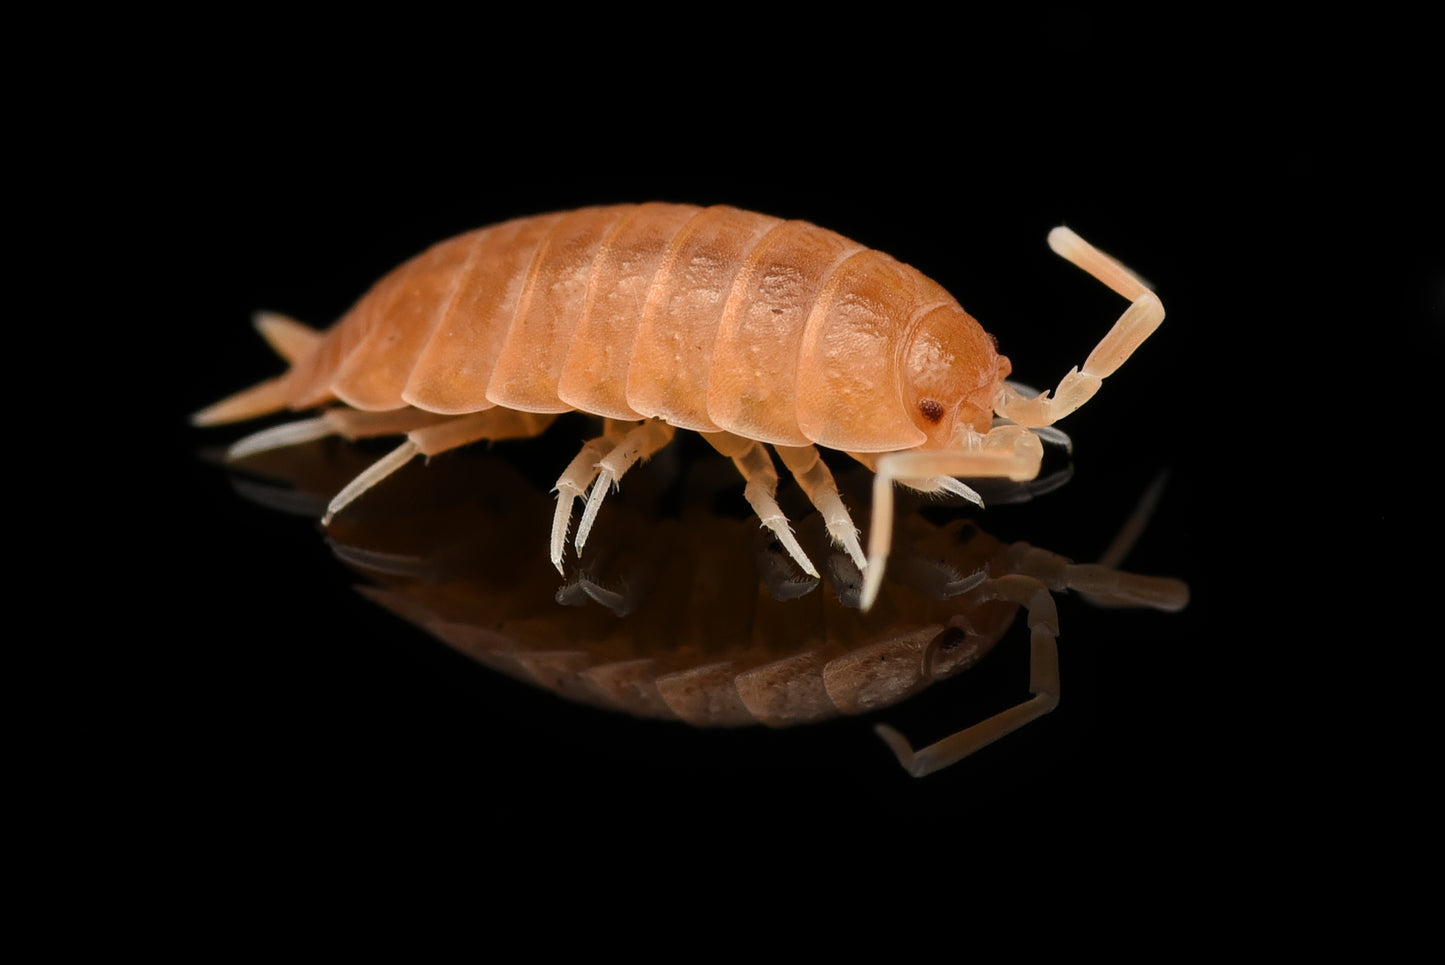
pixel 750 330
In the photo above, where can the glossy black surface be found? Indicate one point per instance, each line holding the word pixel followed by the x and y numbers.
pixel 295 710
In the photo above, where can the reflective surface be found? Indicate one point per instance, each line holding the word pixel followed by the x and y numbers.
pixel 319 697
pixel 676 600
pixel 681 608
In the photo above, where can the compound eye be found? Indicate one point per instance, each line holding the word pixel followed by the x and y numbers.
pixel 948 652
pixel 932 410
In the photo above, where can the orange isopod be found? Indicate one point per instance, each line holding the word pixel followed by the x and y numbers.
pixel 748 329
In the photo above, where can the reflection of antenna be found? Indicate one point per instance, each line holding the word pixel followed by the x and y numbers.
pixel 1133 527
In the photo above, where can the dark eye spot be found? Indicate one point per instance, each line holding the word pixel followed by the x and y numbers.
pixel 949 640
pixel 932 409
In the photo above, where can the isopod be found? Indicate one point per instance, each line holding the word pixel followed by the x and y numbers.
pixel 679 615
pixel 748 329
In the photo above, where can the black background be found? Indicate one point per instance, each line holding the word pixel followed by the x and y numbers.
pixel 283 712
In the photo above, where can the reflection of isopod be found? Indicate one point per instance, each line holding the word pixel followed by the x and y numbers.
pixel 684 615
pixel 750 330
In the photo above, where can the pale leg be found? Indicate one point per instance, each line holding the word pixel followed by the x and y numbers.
pixel 1010 451
pixel 638 445
pixel 761 477
pixel 571 486
pixel 350 424
pixel 813 475
pixel 451 432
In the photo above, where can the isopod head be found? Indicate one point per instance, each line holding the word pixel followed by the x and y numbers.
pixel 951 372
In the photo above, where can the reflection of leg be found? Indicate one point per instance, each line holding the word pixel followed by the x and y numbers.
pixel 1043 684
pixel 761 477
pixel 637 445
pixel 812 474
pixel 1037 574
pixel 429 436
